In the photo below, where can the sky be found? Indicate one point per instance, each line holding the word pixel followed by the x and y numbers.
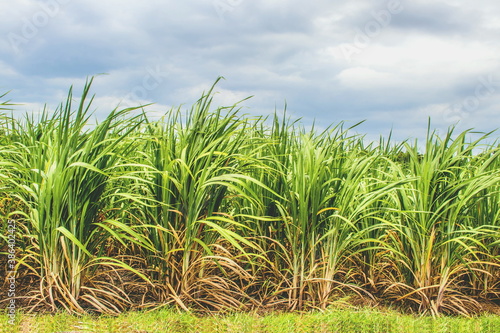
pixel 391 63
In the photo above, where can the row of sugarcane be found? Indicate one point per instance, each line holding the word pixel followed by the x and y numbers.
pixel 209 209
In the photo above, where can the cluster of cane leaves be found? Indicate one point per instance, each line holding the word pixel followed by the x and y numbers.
pixel 211 209
pixel 321 196
pixel 443 238
pixel 59 171
pixel 193 163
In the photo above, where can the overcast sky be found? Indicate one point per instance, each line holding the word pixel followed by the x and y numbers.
pixel 392 63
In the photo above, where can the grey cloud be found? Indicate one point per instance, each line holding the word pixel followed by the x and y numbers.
pixel 277 51
pixel 436 18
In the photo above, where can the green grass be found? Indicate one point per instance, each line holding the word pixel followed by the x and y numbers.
pixel 331 321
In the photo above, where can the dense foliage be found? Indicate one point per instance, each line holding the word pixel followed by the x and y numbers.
pixel 212 209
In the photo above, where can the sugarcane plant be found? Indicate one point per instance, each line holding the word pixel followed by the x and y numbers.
pixel 59 170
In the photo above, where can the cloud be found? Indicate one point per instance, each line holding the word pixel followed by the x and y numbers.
pixel 423 60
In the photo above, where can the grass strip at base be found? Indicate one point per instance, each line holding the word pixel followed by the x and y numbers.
pixel 335 320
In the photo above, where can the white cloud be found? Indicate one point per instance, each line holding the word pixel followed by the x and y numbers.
pixel 364 78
